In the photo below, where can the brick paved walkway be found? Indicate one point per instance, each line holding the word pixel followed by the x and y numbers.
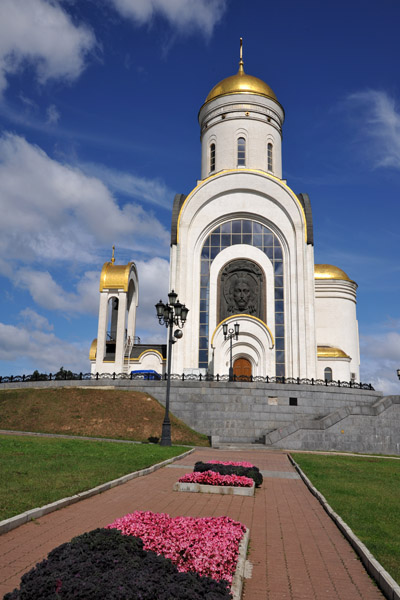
pixel 296 551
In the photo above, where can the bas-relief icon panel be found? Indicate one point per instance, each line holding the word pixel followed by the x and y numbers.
pixel 241 290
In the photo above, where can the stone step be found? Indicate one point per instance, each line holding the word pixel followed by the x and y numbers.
pixel 238 446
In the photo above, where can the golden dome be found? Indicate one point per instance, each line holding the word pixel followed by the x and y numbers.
pixel 331 352
pixel 330 272
pixel 241 84
pixel 93 350
pixel 115 276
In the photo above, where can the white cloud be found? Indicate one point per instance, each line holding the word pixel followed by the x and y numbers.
pixel 380 358
pixel 153 191
pixel 33 320
pixel 378 119
pixel 45 351
pixel 183 15
pixel 40 33
pixel 28 102
pixel 53 115
pixel 47 293
pixel 153 285
pixel 53 212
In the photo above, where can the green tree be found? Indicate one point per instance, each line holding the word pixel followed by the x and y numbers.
pixel 64 374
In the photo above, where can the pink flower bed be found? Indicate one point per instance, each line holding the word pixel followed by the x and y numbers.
pixel 208 546
pixel 212 478
pixel 231 462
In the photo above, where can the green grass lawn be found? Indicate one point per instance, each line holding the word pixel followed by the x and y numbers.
pixel 36 471
pixel 365 492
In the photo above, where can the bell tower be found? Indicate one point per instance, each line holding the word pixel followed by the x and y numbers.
pixel 241 126
pixel 119 297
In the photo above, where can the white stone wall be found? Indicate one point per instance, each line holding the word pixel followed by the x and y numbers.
pixel 259 120
pixel 336 324
pixel 340 368
pixel 260 197
pixel 150 359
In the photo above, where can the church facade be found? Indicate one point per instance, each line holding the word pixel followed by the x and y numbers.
pixel 242 253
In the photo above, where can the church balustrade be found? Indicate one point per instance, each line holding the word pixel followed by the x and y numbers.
pixel 69 376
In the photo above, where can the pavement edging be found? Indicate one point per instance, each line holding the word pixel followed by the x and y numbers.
pixel 385 582
pixel 202 488
pixel 36 513
pixel 237 581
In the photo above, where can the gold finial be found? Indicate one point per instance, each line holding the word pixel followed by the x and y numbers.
pixel 112 258
pixel 241 70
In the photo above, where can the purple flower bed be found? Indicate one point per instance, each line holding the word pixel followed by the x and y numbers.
pixel 105 564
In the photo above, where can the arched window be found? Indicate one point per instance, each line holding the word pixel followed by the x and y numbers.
pixel 212 158
pixel 252 233
pixel 328 374
pixel 241 152
pixel 269 157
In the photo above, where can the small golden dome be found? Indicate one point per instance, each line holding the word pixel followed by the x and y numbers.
pixel 93 350
pixel 115 276
pixel 330 272
pixel 241 84
pixel 331 352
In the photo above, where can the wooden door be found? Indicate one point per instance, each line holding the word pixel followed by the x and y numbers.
pixel 242 369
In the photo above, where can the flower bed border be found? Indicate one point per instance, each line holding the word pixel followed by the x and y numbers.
pixel 213 489
pixel 237 581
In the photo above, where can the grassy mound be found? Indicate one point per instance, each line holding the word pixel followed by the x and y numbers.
pixel 107 413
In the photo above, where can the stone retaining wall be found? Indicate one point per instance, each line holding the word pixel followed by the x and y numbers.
pixel 280 415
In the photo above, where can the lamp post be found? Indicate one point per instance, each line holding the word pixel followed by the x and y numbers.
pixel 398 373
pixel 170 314
pixel 229 334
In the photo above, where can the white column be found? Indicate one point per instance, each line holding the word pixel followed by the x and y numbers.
pixel 102 332
pixel 131 325
pixel 120 345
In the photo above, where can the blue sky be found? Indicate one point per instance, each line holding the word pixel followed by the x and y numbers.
pixel 98 115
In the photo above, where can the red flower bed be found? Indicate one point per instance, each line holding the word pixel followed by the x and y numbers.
pixel 213 478
pixel 207 546
pixel 244 463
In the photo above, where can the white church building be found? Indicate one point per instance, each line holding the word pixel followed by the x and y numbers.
pixel 242 252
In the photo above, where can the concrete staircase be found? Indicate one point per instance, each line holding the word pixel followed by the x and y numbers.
pixel 322 423
pixel 357 428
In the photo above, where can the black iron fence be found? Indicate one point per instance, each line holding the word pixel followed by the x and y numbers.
pixel 69 376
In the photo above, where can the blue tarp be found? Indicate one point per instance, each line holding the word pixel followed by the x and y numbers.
pixel 145 374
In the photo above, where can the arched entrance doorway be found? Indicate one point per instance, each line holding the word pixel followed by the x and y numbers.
pixel 242 369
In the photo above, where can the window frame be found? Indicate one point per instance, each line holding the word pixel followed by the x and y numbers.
pixel 328 371
pixel 212 157
pixel 241 151
pixel 270 157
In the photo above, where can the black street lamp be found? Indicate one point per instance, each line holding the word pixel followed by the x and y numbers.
pixel 170 314
pixel 398 373
pixel 229 334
